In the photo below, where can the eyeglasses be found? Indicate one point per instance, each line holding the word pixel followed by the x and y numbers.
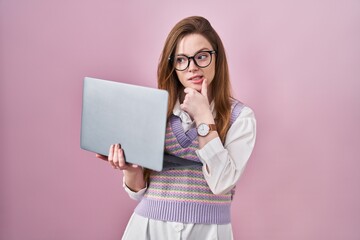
pixel 201 59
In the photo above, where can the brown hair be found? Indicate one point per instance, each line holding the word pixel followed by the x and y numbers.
pixel 220 86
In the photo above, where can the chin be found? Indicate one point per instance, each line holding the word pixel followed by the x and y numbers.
pixel 197 88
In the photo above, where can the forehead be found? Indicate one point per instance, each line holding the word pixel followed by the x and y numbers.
pixel 192 43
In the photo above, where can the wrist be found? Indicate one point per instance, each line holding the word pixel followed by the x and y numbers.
pixel 135 186
pixel 203 129
pixel 204 118
pixel 134 180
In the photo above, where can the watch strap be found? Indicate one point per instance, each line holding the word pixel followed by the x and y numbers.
pixel 212 127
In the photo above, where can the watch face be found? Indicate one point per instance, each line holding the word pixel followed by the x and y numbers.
pixel 203 129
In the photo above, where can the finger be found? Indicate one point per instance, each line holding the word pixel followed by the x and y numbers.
pixel 111 155
pixel 122 163
pixel 102 157
pixel 182 106
pixel 116 156
pixel 189 90
pixel 135 166
pixel 204 87
pixel 111 152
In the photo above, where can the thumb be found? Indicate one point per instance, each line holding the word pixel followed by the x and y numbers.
pixel 204 87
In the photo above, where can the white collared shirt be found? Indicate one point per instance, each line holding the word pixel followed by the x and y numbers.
pixel 225 163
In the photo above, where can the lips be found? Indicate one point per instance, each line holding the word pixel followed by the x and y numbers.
pixel 196 79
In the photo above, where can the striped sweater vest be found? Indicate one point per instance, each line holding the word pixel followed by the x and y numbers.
pixel 183 195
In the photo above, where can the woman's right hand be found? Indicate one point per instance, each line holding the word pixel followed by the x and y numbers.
pixel 134 174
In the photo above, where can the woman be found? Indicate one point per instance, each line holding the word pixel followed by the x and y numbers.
pixel 204 124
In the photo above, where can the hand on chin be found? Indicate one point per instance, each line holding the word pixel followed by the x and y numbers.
pixel 196 86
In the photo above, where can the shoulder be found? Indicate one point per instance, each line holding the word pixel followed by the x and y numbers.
pixel 243 128
pixel 247 112
pixel 240 110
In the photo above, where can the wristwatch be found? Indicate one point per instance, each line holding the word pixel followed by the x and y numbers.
pixel 204 129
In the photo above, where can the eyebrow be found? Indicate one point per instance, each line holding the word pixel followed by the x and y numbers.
pixel 202 49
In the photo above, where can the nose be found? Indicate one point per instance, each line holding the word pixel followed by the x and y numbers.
pixel 192 65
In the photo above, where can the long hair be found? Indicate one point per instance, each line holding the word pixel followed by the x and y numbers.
pixel 220 86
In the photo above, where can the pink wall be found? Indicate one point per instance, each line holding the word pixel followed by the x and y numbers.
pixel 296 64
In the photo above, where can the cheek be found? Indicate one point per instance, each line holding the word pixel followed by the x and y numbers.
pixel 210 74
pixel 181 77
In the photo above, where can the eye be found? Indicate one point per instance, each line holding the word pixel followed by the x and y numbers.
pixel 180 59
pixel 202 56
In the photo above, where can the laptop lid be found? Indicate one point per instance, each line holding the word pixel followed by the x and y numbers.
pixel 131 115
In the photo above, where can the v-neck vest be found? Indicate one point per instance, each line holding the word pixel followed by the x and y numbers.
pixel 183 195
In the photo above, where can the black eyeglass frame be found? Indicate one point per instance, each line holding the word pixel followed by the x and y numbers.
pixel 211 52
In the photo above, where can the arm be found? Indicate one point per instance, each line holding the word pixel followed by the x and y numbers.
pixel 133 181
pixel 132 194
pixel 224 164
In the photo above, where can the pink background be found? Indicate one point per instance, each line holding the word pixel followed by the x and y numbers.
pixel 296 63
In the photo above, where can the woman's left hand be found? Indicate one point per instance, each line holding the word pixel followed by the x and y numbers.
pixel 196 104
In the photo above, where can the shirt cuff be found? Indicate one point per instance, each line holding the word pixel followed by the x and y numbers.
pixel 134 195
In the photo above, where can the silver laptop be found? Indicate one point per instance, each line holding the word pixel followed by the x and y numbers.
pixel 131 115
